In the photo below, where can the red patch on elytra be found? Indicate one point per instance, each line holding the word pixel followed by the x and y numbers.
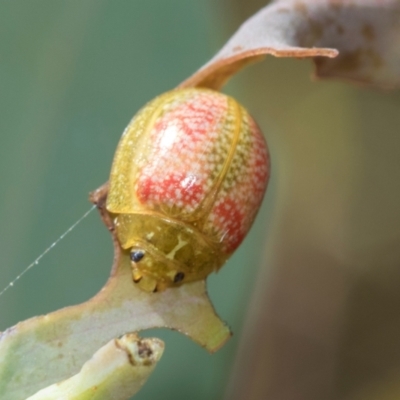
pixel 229 221
pixel 179 189
pixel 176 165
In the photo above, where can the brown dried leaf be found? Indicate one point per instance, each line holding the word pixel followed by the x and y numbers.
pixel 357 40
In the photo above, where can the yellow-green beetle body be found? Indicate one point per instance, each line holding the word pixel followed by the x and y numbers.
pixel 188 177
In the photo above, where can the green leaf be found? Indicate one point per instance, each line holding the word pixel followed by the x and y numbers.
pixel 117 371
pixel 50 348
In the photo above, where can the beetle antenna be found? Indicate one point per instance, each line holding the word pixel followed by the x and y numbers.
pixel 36 261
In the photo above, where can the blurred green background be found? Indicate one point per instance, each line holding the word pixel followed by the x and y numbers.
pixel 312 296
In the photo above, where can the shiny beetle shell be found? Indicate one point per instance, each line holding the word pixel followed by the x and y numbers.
pixel 188 177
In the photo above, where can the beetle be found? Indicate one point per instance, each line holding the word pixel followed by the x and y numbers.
pixel 187 180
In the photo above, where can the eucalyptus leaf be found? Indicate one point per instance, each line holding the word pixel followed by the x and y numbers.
pixel 50 348
pixel 356 40
pixel 118 370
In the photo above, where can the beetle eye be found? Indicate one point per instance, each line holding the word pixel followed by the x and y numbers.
pixel 179 277
pixel 137 255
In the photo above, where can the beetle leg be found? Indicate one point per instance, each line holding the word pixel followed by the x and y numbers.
pixel 136 275
pixel 148 284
